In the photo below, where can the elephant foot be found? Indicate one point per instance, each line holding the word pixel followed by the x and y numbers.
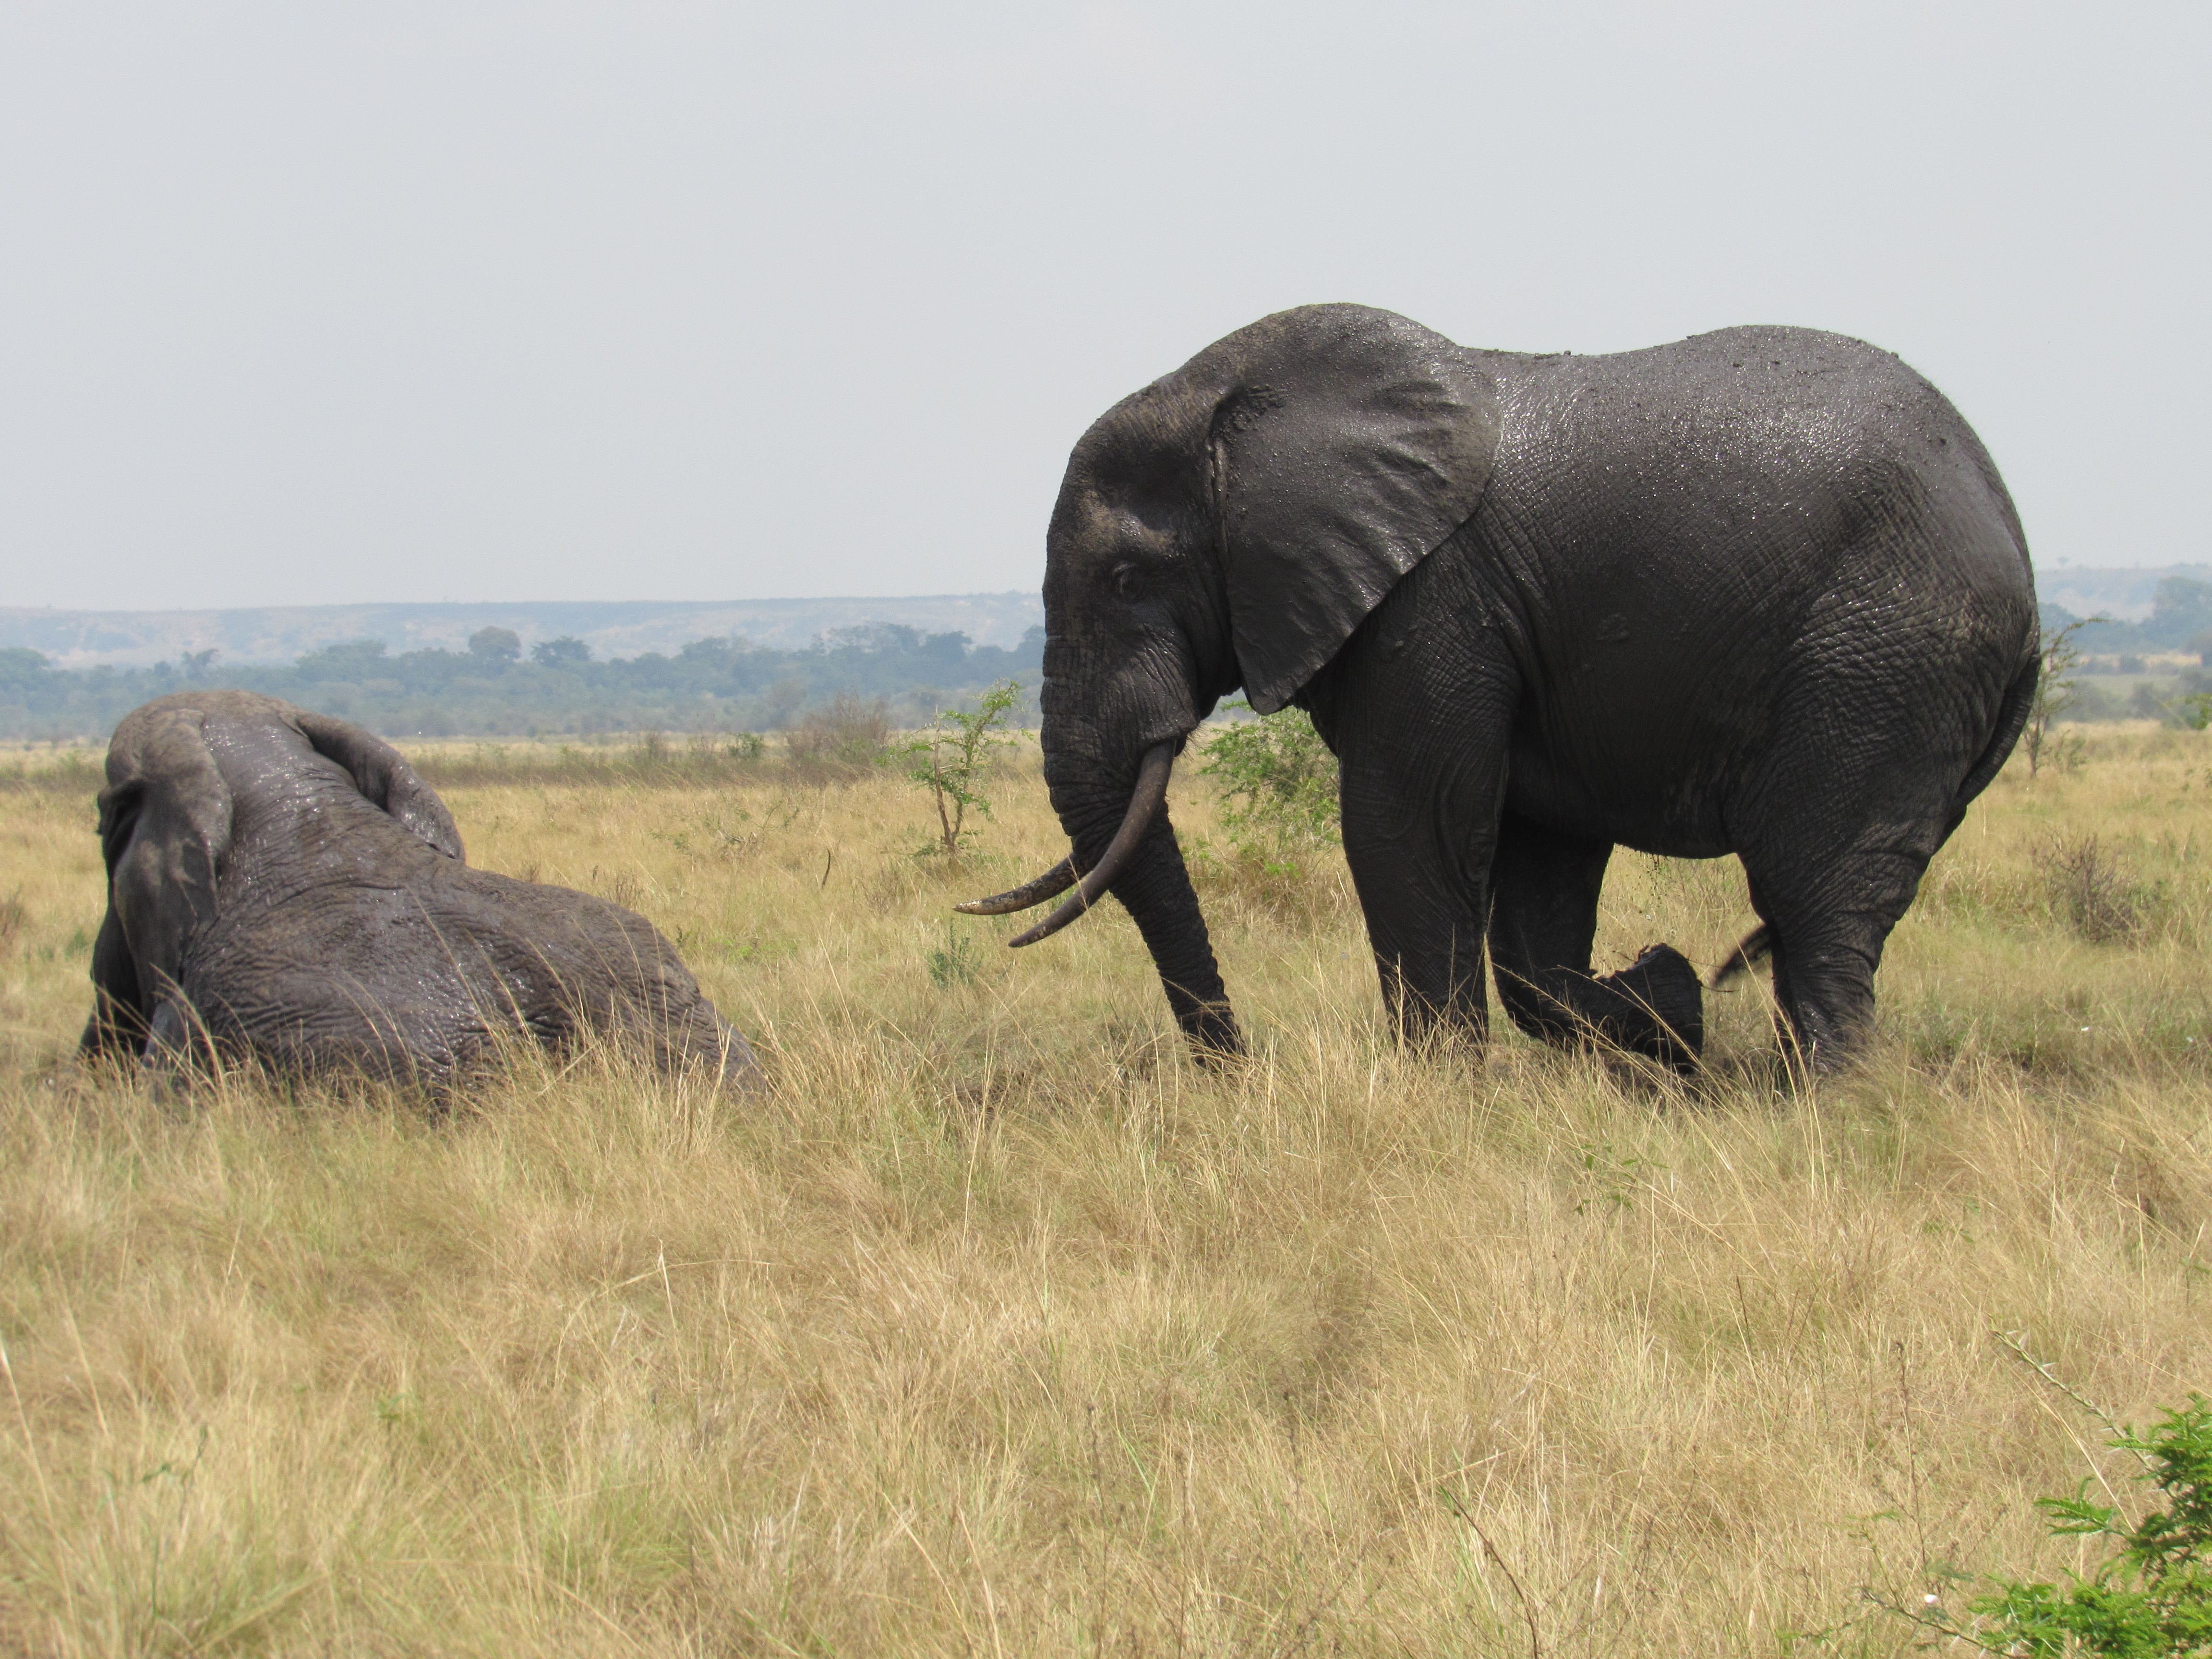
pixel 1216 1041
pixel 1654 1006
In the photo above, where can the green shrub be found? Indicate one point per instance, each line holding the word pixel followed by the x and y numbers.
pixel 2152 1599
pixel 1277 779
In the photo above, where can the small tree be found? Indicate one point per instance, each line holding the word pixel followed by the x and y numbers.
pixel 948 757
pixel 2055 690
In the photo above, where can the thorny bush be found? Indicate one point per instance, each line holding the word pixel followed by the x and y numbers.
pixel 851 732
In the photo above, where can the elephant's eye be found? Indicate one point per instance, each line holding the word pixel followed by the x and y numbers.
pixel 1125 580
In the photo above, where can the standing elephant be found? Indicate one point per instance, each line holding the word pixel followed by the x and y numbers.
pixel 1760 592
pixel 282 888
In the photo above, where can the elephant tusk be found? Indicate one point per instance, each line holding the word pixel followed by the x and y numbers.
pixel 1145 800
pixel 1051 884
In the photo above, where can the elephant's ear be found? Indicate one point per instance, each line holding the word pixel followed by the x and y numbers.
pixel 165 820
pixel 382 775
pixel 1353 443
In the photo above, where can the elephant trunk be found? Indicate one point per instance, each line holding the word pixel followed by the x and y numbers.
pixel 1145 800
pixel 1155 889
pixel 1123 838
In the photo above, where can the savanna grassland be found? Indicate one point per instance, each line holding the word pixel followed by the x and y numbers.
pixel 999 1329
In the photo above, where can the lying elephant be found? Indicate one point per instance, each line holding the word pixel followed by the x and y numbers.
pixel 281 887
pixel 1761 592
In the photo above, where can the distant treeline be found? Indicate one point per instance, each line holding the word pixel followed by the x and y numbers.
pixel 493 690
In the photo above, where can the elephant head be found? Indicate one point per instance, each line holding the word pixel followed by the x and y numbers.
pixel 284 888
pixel 167 823
pixel 1232 523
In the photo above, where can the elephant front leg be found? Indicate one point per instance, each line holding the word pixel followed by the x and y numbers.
pixel 1424 891
pixel 1420 717
pixel 1543 922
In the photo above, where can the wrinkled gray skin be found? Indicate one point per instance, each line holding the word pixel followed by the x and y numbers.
pixel 1759 592
pixel 282 886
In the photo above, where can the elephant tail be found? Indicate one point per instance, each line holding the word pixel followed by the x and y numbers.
pixel 1757 946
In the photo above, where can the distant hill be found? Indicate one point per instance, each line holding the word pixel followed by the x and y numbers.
pixel 2125 593
pixel 627 628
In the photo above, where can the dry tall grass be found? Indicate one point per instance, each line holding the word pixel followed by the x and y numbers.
pixel 1001 1329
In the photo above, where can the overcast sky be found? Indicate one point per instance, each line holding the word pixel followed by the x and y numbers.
pixel 312 303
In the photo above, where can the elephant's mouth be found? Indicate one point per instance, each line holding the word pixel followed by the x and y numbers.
pixel 1145 800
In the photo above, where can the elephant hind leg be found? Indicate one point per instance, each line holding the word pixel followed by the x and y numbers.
pixel 1829 921
pixel 1543 919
